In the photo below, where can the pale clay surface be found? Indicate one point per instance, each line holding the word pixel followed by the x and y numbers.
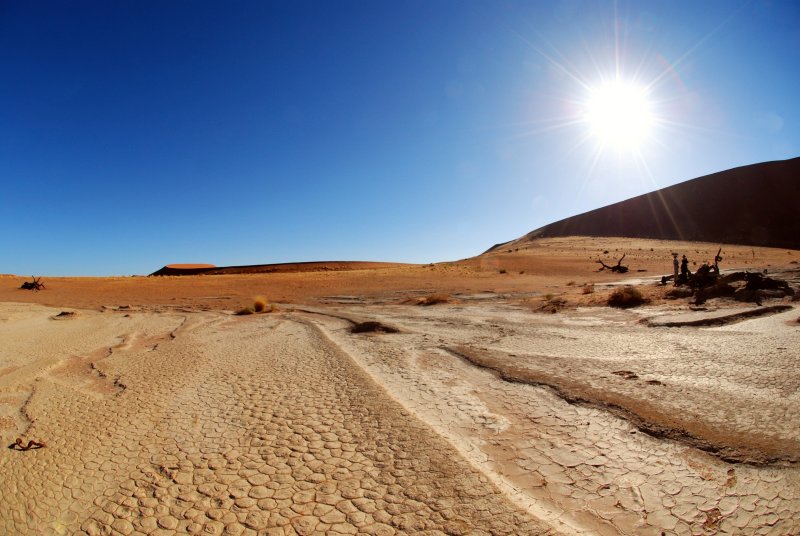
pixel 224 425
pixel 169 422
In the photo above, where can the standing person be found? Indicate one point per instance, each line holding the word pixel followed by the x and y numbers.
pixel 684 269
pixel 675 268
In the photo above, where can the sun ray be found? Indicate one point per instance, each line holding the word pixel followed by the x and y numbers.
pixel 594 159
pixel 617 98
pixel 563 68
pixel 545 130
pixel 671 66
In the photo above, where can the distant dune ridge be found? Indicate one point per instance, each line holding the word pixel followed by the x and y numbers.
pixel 287 267
pixel 757 205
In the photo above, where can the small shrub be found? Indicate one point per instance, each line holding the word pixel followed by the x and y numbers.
pixel 372 327
pixel 550 304
pixel 433 299
pixel 588 288
pixel 571 283
pixel 260 304
pixel 503 271
pixel 626 297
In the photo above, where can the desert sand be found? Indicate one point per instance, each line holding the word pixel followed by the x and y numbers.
pixel 521 404
pixel 735 206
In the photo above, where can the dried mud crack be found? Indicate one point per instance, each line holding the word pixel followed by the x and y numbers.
pixel 728 446
pixel 257 427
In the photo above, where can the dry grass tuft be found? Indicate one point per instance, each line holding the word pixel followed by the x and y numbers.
pixel 588 288
pixel 372 327
pixel 549 303
pixel 626 297
pixel 433 299
pixel 260 305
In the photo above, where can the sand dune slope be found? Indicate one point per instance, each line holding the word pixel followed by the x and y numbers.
pixel 754 205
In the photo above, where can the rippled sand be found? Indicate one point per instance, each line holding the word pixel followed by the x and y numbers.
pixel 476 418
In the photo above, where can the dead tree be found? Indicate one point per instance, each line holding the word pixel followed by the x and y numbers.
pixel 618 268
pixel 717 260
pixel 20 445
pixel 36 284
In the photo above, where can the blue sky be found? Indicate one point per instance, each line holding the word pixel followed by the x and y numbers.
pixel 135 134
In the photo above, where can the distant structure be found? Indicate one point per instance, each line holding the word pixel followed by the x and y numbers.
pixel 757 205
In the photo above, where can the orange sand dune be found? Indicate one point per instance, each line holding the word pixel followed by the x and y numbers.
pixel 189 266
pixel 547 265
pixel 754 205
pixel 286 267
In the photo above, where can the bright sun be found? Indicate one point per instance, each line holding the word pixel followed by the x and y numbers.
pixel 619 115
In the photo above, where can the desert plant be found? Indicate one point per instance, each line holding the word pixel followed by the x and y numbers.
pixel 503 271
pixel 259 304
pixel 626 297
pixel 433 299
pixel 550 304
pixel 570 283
pixel 372 327
pixel 588 288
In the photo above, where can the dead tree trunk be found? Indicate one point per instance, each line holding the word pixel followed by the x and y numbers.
pixel 36 284
pixel 618 268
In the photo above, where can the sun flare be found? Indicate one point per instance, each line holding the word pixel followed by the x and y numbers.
pixel 619 115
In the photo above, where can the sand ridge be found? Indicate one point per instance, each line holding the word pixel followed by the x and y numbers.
pixel 737 205
pixel 561 266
